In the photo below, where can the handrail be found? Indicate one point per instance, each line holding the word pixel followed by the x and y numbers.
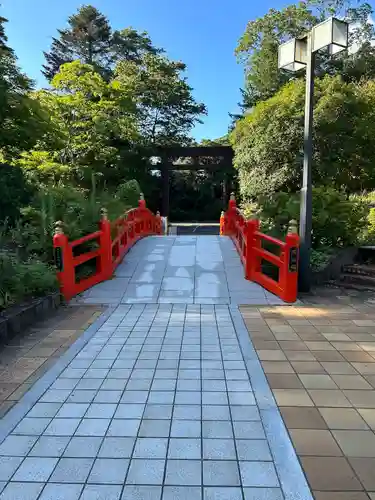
pixel 134 224
pixel 88 237
pixel 248 239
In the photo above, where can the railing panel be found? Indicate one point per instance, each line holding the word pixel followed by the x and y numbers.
pixel 248 240
pixel 115 239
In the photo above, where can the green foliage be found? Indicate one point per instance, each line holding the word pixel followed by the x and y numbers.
pixel 91 40
pixel 320 258
pixel 21 118
pixel 258 47
pixel 166 107
pixel 338 221
pixel 268 142
pixel 130 192
pixel 20 280
pixel 14 193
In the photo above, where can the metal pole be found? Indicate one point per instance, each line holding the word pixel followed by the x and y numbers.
pixel 305 225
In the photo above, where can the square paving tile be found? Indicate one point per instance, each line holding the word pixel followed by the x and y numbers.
pixel 220 473
pixel 343 418
pixel 8 465
pixel 330 398
pixel 92 427
pixel 263 494
pixel 185 412
pixel 50 446
pixel 356 443
pixel 154 428
pixel 150 448
pixel 86 447
pixel 368 415
pixel 62 427
pixel 35 469
pixel 219 449
pixel 184 448
pixel 131 411
pixel 314 442
pixel 365 470
pixel 182 493
pixel 116 447
pixel 259 474
pixel 159 412
pixel 317 381
pixel 254 450
pixel 217 430
pixel 292 397
pixel 351 382
pixel 72 470
pixel 101 492
pixel 17 446
pixel 244 413
pixel 222 493
pixel 100 410
pixel 109 471
pixel 56 491
pixel 248 430
pixel 141 493
pixel 22 491
pixel 143 471
pixel 302 418
pixel 186 428
pixel 31 426
pixel 330 474
pixel 183 472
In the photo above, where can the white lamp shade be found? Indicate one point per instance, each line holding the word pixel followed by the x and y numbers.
pixel 293 54
pixel 331 33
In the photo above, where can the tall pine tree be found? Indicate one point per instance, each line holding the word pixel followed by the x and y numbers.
pixel 90 39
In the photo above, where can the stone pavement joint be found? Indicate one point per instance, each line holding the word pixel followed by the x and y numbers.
pixel 154 402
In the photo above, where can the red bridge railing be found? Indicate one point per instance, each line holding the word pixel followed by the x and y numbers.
pixel 112 242
pixel 250 242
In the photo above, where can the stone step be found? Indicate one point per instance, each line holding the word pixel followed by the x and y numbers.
pixel 360 269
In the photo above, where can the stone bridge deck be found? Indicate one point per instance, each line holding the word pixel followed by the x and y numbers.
pixel 181 269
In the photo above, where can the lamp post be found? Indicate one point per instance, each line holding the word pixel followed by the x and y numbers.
pixel 295 54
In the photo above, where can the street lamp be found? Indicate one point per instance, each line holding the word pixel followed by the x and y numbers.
pixel 295 54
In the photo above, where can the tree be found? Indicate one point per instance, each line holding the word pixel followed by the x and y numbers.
pixel 22 120
pixel 164 99
pixel 258 47
pixel 268 142
pixel 87 117
pixel 90 40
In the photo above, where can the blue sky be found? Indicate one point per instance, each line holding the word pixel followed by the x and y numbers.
pixel 201 33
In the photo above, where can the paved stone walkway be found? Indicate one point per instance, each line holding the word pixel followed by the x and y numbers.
pixel 152 402
pixel 180 269
pixel 159 399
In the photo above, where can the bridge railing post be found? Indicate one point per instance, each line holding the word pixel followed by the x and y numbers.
pixel 105 242
pixel 63 255
pixel 289 270
pixel 252 226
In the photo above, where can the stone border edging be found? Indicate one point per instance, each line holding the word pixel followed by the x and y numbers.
pixel 16 321
pixel 292 478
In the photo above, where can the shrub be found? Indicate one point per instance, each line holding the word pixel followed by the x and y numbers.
pixel 14 192
pixel 338 221
pixel 20 280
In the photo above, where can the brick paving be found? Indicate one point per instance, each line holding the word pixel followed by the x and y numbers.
pixel 320 364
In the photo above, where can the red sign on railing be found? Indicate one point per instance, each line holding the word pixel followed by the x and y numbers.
pixel 113 242
pixel 249 242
